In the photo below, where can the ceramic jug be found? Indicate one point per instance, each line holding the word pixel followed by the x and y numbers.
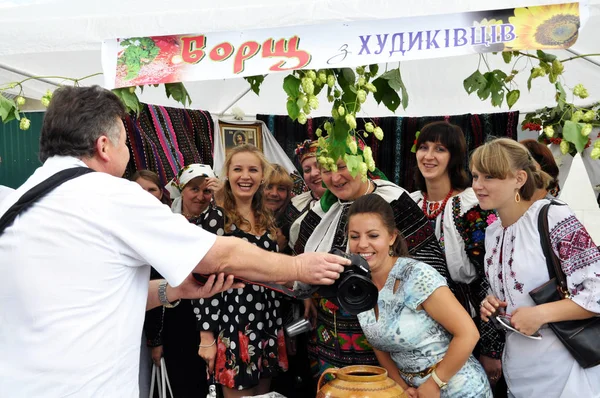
pixel 359 382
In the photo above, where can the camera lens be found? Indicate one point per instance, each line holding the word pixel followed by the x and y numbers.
pixel 357 294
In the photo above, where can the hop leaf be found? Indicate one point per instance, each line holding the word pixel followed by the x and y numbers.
pixel 302 118
pixel 369 127
pixel 352 122
pixel 564 147
pixel 20 100
pixel 378 132
pixel 24 123
pixel 549 131
pixel 586 129
pixel 302 101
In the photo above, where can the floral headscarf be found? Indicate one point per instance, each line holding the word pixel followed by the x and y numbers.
pixel 305 150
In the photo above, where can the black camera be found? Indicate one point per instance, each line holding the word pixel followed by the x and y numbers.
pixel 354 291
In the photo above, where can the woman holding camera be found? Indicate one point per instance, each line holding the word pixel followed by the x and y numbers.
pixel 420 333
pixel 340 341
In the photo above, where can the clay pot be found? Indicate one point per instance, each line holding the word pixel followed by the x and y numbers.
pixel 359 382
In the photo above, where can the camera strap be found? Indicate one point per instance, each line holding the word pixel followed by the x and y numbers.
pixel 36 193
pixel 303 294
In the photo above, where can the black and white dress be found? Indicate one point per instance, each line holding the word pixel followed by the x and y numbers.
pixel 246 322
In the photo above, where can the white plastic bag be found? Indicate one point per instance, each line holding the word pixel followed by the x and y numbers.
pixel 160 379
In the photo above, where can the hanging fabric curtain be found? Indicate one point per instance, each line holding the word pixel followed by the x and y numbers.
pixel 164 139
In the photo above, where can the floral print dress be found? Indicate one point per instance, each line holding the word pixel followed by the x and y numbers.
pixel 246 322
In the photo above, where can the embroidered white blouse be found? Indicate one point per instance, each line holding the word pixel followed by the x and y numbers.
pixel 515 264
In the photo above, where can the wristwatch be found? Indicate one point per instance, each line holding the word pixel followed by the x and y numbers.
pixel 441 384
pixel 162 296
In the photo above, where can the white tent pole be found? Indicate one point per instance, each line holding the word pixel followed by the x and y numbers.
pixel 22 73
pixel 236 99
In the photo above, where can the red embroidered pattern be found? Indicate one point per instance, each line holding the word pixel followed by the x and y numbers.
pixel 576 249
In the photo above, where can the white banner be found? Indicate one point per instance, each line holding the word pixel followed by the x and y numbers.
pixel 167 59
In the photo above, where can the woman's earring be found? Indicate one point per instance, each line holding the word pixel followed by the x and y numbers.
pixel 391 251
pixel 517 197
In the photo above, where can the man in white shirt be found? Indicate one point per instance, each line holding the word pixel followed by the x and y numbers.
pixel 75 265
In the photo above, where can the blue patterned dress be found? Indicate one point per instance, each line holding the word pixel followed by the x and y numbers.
pixel 414 340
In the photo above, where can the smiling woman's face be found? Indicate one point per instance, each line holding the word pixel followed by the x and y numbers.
pixel 342 184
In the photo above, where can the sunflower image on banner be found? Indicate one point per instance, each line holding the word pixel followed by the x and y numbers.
pixel 553 26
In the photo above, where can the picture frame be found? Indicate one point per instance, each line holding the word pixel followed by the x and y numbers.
pixel 233 135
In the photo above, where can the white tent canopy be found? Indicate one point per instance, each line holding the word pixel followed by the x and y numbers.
pixel 63 38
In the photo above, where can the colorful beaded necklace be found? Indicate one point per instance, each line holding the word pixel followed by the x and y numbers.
pixel 436 212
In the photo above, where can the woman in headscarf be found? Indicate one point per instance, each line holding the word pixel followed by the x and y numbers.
pixel 338 340
pixel 192 190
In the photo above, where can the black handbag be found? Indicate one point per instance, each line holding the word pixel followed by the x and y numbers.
pixel 580 337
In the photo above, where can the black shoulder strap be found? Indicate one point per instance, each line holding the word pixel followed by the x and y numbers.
pixel 552 262
pixel 38 192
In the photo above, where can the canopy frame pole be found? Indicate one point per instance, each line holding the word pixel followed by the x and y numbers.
pixel 26 74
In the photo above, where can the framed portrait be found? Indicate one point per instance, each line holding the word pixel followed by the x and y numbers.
pixel 239 134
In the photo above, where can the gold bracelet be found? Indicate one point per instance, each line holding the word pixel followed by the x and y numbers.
pixel 206 346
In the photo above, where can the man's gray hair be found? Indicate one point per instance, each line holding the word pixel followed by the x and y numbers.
pixel 76 118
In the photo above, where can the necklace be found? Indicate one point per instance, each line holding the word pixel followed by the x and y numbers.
pixel 190 216
pixel 436 212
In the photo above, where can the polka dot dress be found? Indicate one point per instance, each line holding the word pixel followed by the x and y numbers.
pixel 247 322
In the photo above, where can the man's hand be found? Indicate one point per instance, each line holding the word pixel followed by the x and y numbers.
pixel 319 268
pixel 191 289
